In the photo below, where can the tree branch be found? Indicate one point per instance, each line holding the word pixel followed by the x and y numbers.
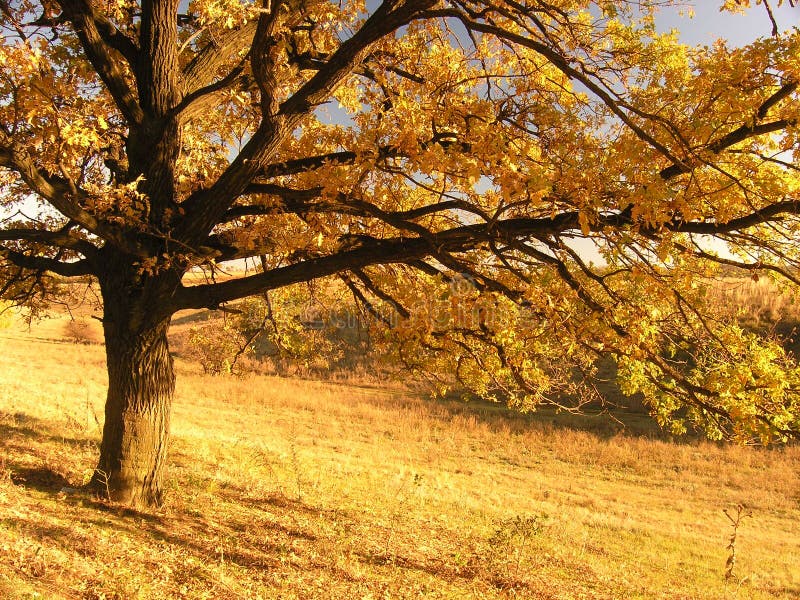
pixel 766 214
pixel 202 69
pixel 379 293
pixel 373 251
pixel 115 38
pixel 380 251
pixel 562 63
pixel 388 17
pixel 734 137
pixel 158 72
pixel 197 101
pixel 61 239
pixel 205 208
pixel 741 133
pixel 58 193
pixel 40 263
pixel 102 56
pixel 298 201
pixel 311 163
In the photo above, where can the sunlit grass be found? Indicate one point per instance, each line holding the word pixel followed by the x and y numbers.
pixel 289 489
pixel 760 301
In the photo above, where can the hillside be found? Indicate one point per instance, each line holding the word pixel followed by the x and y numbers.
pixel 290 489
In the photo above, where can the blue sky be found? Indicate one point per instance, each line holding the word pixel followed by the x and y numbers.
pixel 709 23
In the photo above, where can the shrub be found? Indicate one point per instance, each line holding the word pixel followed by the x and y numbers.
pixel 217 346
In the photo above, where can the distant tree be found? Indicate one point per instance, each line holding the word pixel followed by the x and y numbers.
pixel 398 145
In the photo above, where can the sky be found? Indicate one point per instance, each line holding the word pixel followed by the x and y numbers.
pixel 710 24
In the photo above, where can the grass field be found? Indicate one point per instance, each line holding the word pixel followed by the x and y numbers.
pixel 289 489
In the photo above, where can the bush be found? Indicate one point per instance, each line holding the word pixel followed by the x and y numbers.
pixel 218 346
pixel 80 331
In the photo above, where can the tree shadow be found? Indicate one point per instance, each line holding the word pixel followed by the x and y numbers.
pixel 23 425
pixel 41 479
pixel 84 497
pixel 62 535
pixel 25 440
pixel 436 567
pixel 475 569
pixel 602 422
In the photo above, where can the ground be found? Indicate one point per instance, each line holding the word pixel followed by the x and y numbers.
pixel 282 488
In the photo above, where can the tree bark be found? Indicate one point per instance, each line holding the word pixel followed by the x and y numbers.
pixel 141 383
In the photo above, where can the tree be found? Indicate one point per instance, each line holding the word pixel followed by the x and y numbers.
pixel 404 147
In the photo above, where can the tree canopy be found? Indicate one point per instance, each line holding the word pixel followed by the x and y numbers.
pixel 584 172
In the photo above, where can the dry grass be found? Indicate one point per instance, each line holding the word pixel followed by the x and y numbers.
pixel 759 302
pixel 287 489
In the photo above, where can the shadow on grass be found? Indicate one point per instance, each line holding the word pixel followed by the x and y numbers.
pixel 41 479
pixel 269 534
pixel 436 567
pixel 613 415
pixel 22 425
pixel 603 423
pixel 63 535
pixel 439 568
pixel 27 448
pixel 249 533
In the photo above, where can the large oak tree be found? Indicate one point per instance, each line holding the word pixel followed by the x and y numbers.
pixel 400 147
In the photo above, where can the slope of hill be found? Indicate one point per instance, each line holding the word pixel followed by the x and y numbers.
pixel 287 489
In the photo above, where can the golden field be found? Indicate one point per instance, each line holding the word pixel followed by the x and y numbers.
pixel 284 488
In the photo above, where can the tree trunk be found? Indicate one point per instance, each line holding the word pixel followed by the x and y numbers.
pixel 141 382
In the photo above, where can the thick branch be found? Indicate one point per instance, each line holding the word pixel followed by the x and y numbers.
pixel 205 208
pixel 371 252
pixel 60 239
pixel 387 17
pixel 303 165
pixel 379 252
pixel 57 192
pixel 203 98
pixel 458 239
pixel 40 263
pixel 203 68
pixel 115 38
pixel 158 71
pixel 104 58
